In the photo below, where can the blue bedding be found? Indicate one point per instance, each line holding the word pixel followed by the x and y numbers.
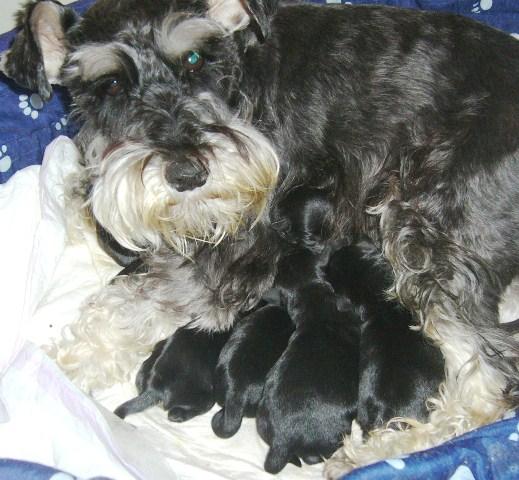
pixel 488 453
pixel 491 452
pixel 18 470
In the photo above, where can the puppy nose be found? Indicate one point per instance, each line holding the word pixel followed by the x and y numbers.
pixel 185 176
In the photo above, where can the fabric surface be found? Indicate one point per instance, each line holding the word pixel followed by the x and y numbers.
pixel 488 453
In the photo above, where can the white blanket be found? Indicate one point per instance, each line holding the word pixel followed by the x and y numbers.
pixel 46 419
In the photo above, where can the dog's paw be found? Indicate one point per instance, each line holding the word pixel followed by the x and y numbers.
pixel 337 465
pixel 225 424
pixel 277 459
pixel 312 459
pixel 182 413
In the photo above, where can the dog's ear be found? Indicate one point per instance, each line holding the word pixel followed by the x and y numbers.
pixel 236 15
pixel 39 49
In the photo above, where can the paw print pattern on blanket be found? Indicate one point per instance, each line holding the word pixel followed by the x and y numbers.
pixel 514 437
pixel 61 124
pixel 5 160
pixel 30 105
pixel 481 5
pixel 396 463
pixel 463 473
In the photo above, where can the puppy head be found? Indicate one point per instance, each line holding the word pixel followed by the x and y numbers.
pixel 170 150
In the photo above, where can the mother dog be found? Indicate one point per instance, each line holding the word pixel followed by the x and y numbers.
pixel 200 117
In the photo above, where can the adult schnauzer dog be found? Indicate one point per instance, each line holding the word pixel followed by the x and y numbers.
pixel 198 117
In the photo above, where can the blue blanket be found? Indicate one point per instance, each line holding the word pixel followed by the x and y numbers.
pixel 19 470
pixel 491 452
pixel 488 453
pixel 27 125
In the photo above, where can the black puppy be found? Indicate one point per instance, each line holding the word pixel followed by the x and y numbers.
pixel 399 368
pixel 179 374
pixel 310 395
pixel 256 343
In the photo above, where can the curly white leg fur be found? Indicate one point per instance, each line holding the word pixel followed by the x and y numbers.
pixel 117 328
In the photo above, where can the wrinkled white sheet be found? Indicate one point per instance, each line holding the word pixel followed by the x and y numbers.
pixel 43 417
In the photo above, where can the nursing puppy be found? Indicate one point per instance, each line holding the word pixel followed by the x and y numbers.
pixel 198 116
pixel 256 343
pixel 179 375
pixel 399 368
pixel 310 395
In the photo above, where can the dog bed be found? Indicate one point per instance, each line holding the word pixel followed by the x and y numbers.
pixel 47 426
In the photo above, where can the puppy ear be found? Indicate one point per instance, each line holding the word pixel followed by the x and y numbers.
pixel 237 15
pixel 39 49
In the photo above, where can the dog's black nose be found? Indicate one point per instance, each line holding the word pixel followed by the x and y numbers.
pixel 185 176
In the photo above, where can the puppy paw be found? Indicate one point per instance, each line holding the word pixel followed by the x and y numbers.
pixel 137 404
pixel 312 459
pixel 277 459
pixel 224 424
pixel 182 413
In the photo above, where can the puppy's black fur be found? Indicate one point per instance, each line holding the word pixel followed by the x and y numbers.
pixel 310 395
pixel 256 343
pixel 399 369
pixel 179 374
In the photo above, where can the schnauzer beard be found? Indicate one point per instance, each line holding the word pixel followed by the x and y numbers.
pixel 132 199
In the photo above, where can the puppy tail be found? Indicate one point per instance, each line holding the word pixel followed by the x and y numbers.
pixel 227 422
pixel 277 458
pixel 138 404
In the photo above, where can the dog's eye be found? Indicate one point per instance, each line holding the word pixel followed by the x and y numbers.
pixel 113 87
pixel 193 61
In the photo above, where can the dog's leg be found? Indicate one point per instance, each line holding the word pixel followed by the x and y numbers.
pixel 119 325
pixel 227 421
pixel 116 328
pixel 455 297
pixel 277 457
